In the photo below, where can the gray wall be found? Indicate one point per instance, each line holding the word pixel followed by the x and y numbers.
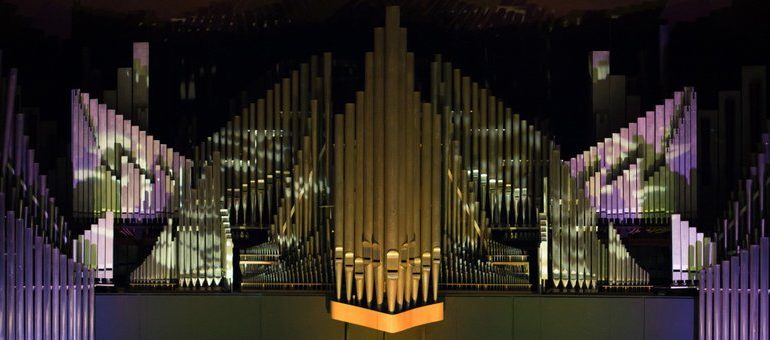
pixel 175 316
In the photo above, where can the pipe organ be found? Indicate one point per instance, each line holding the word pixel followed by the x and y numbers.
pixel 44 292
pixel 419 182
pixel 266 179
pixel 195 253
pixel 121 175
pixel 578 259
pixel 691 251
pixel 118 167
pixel 387 247
pixel 276 172
pixel 638 176
pixel 645 172
pixel 383 201
pixel 97 243
pixel 159 268
pixel 622 270
pixel 582 257
pixel 120 170
pixel 204 242
pixel 495 162
pixel 733 286
pixel 451 186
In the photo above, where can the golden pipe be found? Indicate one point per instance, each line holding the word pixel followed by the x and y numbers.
pixel 391 152
pixel 339 190
pixel 483 136
pixel 426 196
pixel 327 111
pixel 530 178
pixel 436 175
pixel 235 186
pixel 407 185
pixel 500 162
pixel 507 156
pixel 260 159
pixel 492 176
pixel 277 153
pixel 349 204
pixel 269 155
pixel 313 179
pixel 415 199
pixel 359 195
pixel 400 157
pixel 368 150
pixel 378 245
pixel 285 115
pixel 400 106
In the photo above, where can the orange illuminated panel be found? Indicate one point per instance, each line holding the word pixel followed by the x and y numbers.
pixel 391 323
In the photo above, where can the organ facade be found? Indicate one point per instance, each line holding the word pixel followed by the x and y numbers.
pixel 425 182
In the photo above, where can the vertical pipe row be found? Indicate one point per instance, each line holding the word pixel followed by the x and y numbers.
pixel 43 292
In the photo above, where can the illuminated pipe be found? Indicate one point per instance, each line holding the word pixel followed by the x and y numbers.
pixel 426 182
pixel 338 202
pixel 392 108
pixel 380 166
pixel 369 179
pixel 349 205
pixel 359 199
pixel 435 217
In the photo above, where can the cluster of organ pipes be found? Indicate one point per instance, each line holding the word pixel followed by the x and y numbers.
pixel 495 159
pixel 441 176
pixel 119 170
pixel 119 167
pixel 733 295
pixel 734 298
pixel 97 242
pixel 116 165
pixel 382 203
pixel 268 162
pixel 642 174
pixel 270 154
pixel 44 293
pixel 580 257
pixel 159 268
pixel 622 270
pixel 275 170
pixel 647 170
pixel 691 251
pixel 195 248
pixel 386 183
pixel 203 237
pixel 495 164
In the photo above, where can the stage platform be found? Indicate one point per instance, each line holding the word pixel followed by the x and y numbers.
pixel 466 316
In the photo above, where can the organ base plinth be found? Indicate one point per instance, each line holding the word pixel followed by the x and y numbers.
pixel 386 322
